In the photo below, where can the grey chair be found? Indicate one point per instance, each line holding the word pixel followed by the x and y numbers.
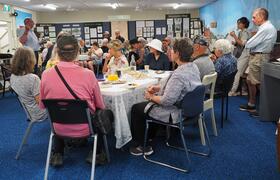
pixel 191 110
pixel 29 127
pixel 71 112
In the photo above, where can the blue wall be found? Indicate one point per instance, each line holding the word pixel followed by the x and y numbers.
pixel 21 17
pixel 226 12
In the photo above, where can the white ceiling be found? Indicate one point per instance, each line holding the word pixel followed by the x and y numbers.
pixel 76 5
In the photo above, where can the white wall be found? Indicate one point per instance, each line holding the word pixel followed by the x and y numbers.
pixel 5 16
pixel 100 15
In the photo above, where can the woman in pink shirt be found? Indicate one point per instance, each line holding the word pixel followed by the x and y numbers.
pixel 81 80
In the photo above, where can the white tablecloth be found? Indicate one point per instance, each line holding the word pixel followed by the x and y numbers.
pixel 120 99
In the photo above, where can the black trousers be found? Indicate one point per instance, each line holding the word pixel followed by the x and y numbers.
pixel 59 143
pixel 36 63
pixel 138 124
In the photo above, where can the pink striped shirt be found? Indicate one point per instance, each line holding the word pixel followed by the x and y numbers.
pixel 83 83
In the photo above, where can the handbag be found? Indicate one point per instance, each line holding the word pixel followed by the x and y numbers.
pixel 102 119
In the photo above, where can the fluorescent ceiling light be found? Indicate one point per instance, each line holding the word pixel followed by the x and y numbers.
pixel 176 6
pixel 50 6
pixel 27 0
pixel 114 5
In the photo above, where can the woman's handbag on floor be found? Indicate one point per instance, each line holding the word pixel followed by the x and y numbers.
pixel 102 119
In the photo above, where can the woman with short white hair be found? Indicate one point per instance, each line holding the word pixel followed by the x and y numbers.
pixel 226 63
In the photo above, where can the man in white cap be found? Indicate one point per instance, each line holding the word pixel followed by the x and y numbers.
pixel 157 60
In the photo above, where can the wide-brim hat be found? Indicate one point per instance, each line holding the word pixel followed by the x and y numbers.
pixel 156 44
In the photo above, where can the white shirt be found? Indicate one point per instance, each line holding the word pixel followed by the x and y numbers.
pixel 263 41
pixel 117 63
pixel 32 40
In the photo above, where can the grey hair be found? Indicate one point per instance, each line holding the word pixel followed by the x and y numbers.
pixel 143 40
pixel 224 46
pixel 104 41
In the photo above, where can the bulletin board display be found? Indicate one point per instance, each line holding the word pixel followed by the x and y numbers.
pixel 47 31
pixel 93 32
pixel 146 29
pixel 88 31
pixel 196 26
pixel 178 25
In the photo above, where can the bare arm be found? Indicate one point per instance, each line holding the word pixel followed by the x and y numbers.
pixel 23 38
pixel 237 40
pixel 105 67
pixel 37 99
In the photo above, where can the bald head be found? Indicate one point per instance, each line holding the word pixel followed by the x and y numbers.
pixel 260 16
pixel 263 13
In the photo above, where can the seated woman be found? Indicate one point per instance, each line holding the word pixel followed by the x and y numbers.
pixel 26 84
pixel 84 84
pixel 183 80
pixel 226 63
pixel 54 59
pixel 96 54
pixel 115 59
pixel 157 60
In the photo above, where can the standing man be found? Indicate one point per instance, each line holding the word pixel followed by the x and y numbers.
pixel 260 46
pixel 28 38
pixel 118 36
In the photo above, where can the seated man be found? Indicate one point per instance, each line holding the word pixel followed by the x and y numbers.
pixel 82 81
pixel 201 57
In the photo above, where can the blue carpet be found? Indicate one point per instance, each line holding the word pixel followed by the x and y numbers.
pixel 244 149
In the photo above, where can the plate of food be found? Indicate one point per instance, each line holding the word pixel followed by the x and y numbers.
pixel 132 85
pixel 159 72
pixel 118 82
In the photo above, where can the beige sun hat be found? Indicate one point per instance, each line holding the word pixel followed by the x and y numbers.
pixel 156 44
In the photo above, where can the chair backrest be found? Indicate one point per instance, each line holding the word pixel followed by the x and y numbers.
pixel 23 106
pixel 192 103
pixel 210 81
pixel 5 72
pixel 227 82
pixel 68 111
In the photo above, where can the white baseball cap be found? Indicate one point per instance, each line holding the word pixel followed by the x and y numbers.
pixel 156 44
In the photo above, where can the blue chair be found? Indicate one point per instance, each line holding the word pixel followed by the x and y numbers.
pixel 70 112
pixel 191 110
